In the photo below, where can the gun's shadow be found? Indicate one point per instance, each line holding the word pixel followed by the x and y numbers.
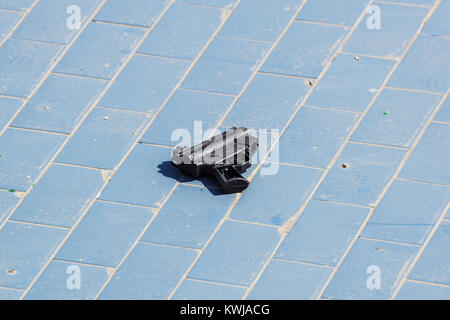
pixel 168 170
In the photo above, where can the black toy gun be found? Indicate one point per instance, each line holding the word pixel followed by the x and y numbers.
pixel 224 156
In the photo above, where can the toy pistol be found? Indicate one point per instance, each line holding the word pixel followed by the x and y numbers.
pixel 224 156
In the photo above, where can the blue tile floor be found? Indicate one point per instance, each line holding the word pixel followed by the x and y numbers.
pixel 350 189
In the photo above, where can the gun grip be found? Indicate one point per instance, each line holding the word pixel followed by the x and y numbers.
pixel 230 179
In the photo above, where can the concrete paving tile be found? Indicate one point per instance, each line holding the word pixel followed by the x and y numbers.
pixel 425 163
pixel 226 65
pixel 68 281
pixel 105 234
pixel 305 50
pixel 100 51
pixel 24 155
pixel 141 13
pixel 322 233
pixel 26 249
pixel 236 254
pixel 60 104
pixel 134 281
pixel 24 64
pixel 183 31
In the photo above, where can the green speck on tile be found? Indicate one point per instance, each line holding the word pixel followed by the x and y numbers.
pixel 12 190
pixel 386 113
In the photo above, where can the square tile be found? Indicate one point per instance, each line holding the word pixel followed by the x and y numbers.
pixel 24 155
pixel 166 264
pixel 146 177
pixel 50 20
pixel 25 251
pixel 350 84
pixel 360 174
pixel 315 135
pixel 305 50
pixel 408 212
pixel 344 12
pixel 60 104
pixel 275 198
pixel 426 161
pixel 100 51
pixel 444 112
pixel 8 108
pixel 268 102
pixel 366 261
pixel 8 201
pixel 60 197
pixel 24 64
pixel 104 138
pixel 434 263
pixel 150 79
pixel 398 26
pixel 105 234
pixel 189 218
pixel 439 24
pixel 226 66
pixel 271 19
pixel 183 31
pixel 58 282
pixel 183 109
pixel 8 21
pixel 323 233
pixel 236 254
pixel 10 294
pixel 16 4
pixel 290 281
pixel 421 291
pixel 140 13
pixel 423 67
pixel 199 290
pixel 396 118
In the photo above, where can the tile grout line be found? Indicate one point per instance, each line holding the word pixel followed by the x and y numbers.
pixel 217 282
pixel 419 254
pixel 219 124
pixel 436 93
pixel 423 182
pixel 177 87
pixel 30 96
pixel 408 153
pixel 404 4
pixel 51 161
pixel 377 145
pixel 395 58
pixel 390 241
pixel 18 23
pixel 296 216
pixel 429 283
pixel 303 263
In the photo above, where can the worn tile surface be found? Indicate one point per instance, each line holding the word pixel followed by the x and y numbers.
pixel 349 193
